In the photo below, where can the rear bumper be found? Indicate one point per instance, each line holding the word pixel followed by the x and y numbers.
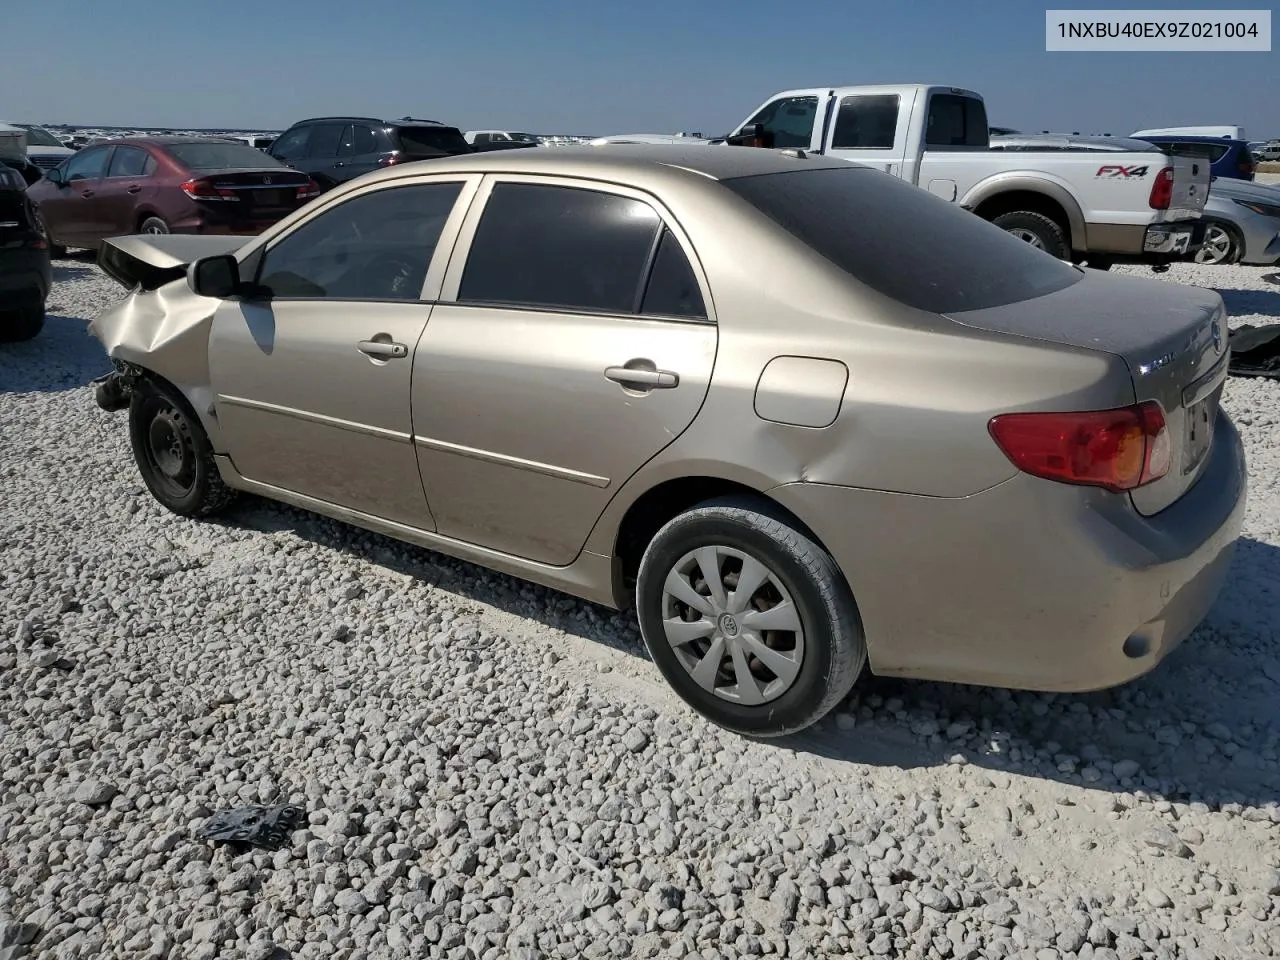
pixel 222 222
pixel 1030 584
pixel 1156 242
pixel 1173 239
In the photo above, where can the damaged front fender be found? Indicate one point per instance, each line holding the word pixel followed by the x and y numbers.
pixel 163 330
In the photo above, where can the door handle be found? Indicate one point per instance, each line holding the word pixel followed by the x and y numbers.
pixel 338 164
pixel 383 349
pixel 643 376
pixel 86 194
pixel 134 188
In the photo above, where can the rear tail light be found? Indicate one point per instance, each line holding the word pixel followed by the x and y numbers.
pixel 310 190
pixel 1162 190
pixel 200 189
pixel 390 160
pixel 1117 450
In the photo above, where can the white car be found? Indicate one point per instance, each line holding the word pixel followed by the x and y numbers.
pixel 43 149
pixel 678 138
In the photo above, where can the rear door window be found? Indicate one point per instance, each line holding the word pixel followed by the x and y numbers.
pixel 672 290
pixel 559 247
pixel 376 246
pixel 129 162
pixel 903 241
pixel 357 141
pixel 956 121
pixel 866 123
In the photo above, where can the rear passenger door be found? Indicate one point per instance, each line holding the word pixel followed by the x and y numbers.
pixel 128 180
pixel 572 342
pixel 870 127
pixel 357 151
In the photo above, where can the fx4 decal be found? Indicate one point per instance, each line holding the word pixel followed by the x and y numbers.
pixel 1116 171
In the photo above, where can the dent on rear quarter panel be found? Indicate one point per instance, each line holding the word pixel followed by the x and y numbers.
pixel 165 331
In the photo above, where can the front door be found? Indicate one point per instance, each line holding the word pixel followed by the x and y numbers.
pixel 311 378
pixel 577 347
pixel 68 209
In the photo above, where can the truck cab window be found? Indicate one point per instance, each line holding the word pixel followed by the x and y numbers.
pixel 790 120
pixel 866 123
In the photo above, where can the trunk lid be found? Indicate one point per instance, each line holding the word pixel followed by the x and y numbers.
pixel 1191 179
pixel 149 261
pixel 268 188
pixel 1172 338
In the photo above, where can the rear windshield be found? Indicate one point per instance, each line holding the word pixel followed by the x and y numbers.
pixel 40 137
pixel 903 241
pixel 220 156
pixel 432 141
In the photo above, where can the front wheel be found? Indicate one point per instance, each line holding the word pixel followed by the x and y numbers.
pixel 173 453
pixel 748 619
pixel 22 324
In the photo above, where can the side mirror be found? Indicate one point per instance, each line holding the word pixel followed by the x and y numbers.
pixel 54 176
pixel 217 277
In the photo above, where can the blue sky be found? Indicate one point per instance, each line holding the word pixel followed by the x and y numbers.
pixel 587 66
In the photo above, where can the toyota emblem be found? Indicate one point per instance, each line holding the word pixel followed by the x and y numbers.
pixel 1217 338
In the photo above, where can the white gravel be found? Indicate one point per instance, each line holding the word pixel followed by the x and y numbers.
pixel 495 770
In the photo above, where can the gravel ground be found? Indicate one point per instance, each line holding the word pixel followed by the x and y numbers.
pixel 495 770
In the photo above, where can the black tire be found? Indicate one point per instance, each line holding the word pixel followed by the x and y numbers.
pixel 834 650
pixel 22 324
pixel 173 453
pixel 1098 263
pixel 1038 229
pixel 153 225
pixel 57 251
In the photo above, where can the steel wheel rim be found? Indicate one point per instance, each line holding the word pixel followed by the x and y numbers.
pixel 732 625
pixel 171 451
pixel 1030 236
pixel 1216 247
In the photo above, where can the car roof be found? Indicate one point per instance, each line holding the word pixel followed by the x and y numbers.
pixel 1190 138
pixel 162 141
pixel 623 162
pixel 400 122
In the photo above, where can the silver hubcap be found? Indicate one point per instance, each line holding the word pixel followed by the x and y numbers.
pixel 1216 247
pixel 732 625
pixel 154 227
pixel 1022 233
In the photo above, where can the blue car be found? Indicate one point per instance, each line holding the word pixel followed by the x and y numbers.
pixel 1227 158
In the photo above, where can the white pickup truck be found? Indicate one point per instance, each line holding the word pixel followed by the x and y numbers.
pixel 1142 206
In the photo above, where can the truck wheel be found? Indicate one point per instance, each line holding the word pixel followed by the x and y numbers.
pixel 1037 229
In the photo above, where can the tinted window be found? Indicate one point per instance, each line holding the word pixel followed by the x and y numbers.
pixel 39 136
pixel 325 139
pixel 956 121
pixel 375 247
pixel 292 145
pixel 903 241
pixel 560 247
pixel 673 289
pixel 432 141
pixel 357 140
pixel 866 122
pixel 88 164
pixel 128 162
pixel 483 137
pixel 219 156
pixel 790 120
pixel 10 179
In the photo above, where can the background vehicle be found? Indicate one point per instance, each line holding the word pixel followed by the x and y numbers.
pixel 1137 206
pixel 259 142
pixel 24 260
pixel 1227 158
pixel 1242 224
pixel 757 469
pixel 43 148
pixel 677 138
pixel 166 185
pixel 483 140
pixel 333 150
pixel 1222 130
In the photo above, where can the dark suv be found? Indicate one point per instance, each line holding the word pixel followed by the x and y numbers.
pixel 333 150
pixel 24 260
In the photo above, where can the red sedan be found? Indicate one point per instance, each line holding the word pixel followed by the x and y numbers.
pixel 166 185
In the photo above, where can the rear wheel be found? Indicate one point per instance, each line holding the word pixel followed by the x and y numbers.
pixel 154 225
pixel 173 453
pixel 748 619
pixel 1036 229
pixel 21 324
pixel 1221 244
